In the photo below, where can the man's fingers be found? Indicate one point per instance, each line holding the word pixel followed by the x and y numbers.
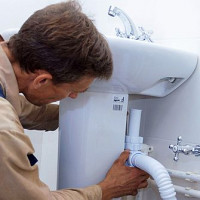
pixel 144 174
pixel 123 157
pixel 144 184
pixel 134 193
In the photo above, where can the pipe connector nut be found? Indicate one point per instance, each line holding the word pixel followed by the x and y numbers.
pixel 132 156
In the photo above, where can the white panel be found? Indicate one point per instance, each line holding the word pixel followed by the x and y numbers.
pixel 92 132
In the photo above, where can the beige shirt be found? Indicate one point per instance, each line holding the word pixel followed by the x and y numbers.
pixel 18 179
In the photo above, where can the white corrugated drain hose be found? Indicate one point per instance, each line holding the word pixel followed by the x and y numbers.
pixel 157 171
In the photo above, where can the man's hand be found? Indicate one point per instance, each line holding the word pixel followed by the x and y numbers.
pixel 122 180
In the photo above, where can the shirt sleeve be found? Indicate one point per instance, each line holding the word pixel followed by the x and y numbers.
pixel 39 117
pixel 20 180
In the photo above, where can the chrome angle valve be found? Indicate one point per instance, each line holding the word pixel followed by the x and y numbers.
pixel 185 149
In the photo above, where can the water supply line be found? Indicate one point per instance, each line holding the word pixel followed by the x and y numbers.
pixel 138 159
pixel 186 191
pixel 188 176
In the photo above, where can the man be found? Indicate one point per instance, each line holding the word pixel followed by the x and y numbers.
pixel 57 53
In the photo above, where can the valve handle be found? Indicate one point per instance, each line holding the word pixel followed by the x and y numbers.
pixel 175 148
pixel 185 149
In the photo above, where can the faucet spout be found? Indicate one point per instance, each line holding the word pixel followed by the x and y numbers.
pixel 130 28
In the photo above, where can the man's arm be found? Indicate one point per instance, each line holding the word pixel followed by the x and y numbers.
pixel 19 178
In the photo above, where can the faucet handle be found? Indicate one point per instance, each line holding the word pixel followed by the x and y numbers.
pixel 145 34
pixel 175 149
pixel 176 156
pixel 119 33
pixel 111 11
pixel 185 149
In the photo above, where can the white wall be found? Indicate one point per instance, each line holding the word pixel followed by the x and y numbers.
pixel 15 12
pixel 175 23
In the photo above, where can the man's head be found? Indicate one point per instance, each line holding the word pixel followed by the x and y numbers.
pixel 63 42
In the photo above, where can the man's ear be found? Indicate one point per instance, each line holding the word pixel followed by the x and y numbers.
pixel 42 80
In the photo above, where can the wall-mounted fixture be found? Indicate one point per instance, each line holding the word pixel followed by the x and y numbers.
pixel 131 31
pixel 184 149
pixel 146 68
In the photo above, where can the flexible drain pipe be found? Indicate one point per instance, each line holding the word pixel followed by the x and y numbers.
pixel 138 159
pixel 157 171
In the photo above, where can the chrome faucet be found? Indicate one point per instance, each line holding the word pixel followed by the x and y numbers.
pixel 185 149
pixel 131 31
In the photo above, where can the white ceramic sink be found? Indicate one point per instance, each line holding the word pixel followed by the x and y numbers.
pixel 146 68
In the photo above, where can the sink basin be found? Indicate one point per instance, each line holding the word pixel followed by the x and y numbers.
pixel 146 68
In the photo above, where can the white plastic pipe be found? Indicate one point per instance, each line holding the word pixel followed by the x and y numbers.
pixel 187 191
pixel 157 171
pixel 182 190
pixel 132 140
pixel 184 175
pixel 134 123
